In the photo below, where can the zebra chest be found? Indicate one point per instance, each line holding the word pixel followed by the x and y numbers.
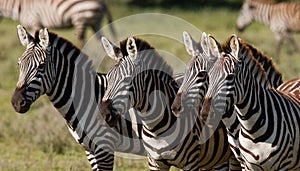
pixel 169 144
pixel 158 147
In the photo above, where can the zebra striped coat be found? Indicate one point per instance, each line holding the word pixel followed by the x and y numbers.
pixel 51 65
pixel 269 134
pixel 282 18
pixel 291 88
pixel 196 81
pixel 36 14
pixel 141 79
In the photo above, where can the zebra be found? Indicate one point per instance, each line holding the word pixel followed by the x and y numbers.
pixel 291 88
pixel 269 118
pixel 282 18
pixel 196 80
pixel 142 79
pixel 53 66
pixel 36 14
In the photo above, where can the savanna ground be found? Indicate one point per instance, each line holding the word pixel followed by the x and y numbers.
pixel 39 139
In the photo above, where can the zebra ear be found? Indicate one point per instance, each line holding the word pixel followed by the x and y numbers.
pixel 189 43
pixel 214 46
pixel 131 48
pixel 44 38
pixel 234 46
pixel 204 44
pixel 111 49
pixel 24 36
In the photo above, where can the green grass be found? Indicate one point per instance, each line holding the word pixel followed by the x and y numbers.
pixel 39 139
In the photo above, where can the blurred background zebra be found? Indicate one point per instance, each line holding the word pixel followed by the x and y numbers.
pixel 81 14
pixel 52 65
pixel 282 18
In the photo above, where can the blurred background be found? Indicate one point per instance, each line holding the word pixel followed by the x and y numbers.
pixel 39 139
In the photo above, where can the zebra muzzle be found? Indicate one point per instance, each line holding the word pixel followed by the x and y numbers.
pixel 19 101
pixel 109 113
pixel 205 109
pixel 176 106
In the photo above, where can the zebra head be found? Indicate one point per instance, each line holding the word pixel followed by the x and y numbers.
pixel 246 15
pixel 221 95
pixel 33 69
pixel 118 97
pixel 195 82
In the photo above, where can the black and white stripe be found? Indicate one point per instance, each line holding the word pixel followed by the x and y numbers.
pixel 51 65
pixel 141 79
pixel 282 18
pixel 36 14
pixel 196 80
pixel 269 119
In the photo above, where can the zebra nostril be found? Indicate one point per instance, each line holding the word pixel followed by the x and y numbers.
pixel 23 102
pixel 176 106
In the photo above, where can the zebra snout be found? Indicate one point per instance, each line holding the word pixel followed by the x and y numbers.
pixel 19 101
pixel 108 113
pixel 205 109
pixel 240 29
pixel 176 106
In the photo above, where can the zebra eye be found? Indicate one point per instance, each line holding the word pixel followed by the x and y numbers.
pixel 42 66
pixel 230 76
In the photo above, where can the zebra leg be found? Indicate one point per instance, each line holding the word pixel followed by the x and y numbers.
pixel 80 30
pixel 279 40
pixel 91 158
pixel 291 41
pixel 96 28
pixel 104 159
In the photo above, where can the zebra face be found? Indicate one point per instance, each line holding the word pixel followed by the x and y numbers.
pixel 185 101
pixel 195 83
pixel 246 15
pixel 32 65
pixel 118 97
pixel 220 95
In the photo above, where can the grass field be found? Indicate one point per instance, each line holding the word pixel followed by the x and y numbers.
pixel 39 139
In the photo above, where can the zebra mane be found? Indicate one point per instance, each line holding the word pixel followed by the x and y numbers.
pixel 247 50
pixel 60 41
pixel 65 47
pixel 261 58
pixel 150 56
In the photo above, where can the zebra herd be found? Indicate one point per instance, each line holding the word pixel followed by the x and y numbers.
pixel 229 110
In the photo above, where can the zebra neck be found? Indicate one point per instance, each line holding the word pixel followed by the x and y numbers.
pixel 75 90
pixel 253 98
pixel 263 13
pixel 155 107
pixel 11 8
